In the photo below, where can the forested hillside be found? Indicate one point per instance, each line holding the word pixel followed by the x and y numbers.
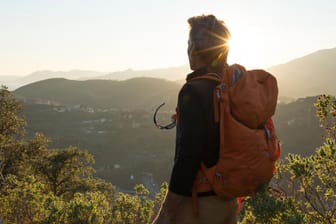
pixel 298 126
pixel 104 94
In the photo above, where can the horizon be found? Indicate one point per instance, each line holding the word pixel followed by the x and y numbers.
pixel 149 69
pixel 97 36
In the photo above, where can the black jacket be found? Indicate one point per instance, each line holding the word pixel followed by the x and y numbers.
pixel 197 135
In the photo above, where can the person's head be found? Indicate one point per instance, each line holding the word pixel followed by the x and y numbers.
pixel 208 42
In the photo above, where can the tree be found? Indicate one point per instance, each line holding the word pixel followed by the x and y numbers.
pixel 307 184
pixel 89 208
pixel 11 126
pixel 63 170
pixel 138 208
pixel 23 200
pixel 267 209
pixel 21 155
pixel 315 176
pixel 42 185
pixel 326 112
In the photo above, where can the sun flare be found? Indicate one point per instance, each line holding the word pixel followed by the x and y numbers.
pixel 247 50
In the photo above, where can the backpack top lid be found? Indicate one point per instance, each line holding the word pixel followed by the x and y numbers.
pixel 253 96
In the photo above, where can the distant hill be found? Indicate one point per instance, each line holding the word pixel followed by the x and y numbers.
pixel 14 82
pixel 172 73
pixel 73 74
pixel 298 126
pixel 128 94
pixel 310 75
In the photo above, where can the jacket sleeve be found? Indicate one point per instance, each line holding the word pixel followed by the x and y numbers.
pixel 190 139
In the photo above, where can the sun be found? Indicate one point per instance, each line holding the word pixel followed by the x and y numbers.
pixel 247 49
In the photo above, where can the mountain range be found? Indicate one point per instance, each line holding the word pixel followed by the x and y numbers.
pixel 309 75
pixel 172 73
pixel 14 82
pixel 105 94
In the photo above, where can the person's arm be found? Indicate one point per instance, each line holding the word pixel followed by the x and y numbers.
pixel 190 138
pixel 190 141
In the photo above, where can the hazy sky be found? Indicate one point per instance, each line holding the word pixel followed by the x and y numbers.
pixel 110 35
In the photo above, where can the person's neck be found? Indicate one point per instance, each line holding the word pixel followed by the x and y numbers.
pixel 219 69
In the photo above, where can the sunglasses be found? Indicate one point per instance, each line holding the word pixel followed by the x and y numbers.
pixel 168 126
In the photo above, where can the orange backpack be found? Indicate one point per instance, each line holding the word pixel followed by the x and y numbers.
pixel 244 102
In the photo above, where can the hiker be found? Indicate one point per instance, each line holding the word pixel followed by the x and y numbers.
pixel 197 135
pixel 226 145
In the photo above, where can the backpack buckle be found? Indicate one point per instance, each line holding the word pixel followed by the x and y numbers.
pixel 268 133
pixel 222 86
pixel 218 175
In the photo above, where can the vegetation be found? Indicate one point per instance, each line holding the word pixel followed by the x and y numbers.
pixel 304 186
pixel 43 185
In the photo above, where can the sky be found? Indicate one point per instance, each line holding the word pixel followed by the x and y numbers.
pixel 114 35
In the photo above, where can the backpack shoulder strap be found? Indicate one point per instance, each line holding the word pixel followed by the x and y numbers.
pixel 209 76
pixel 232 75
